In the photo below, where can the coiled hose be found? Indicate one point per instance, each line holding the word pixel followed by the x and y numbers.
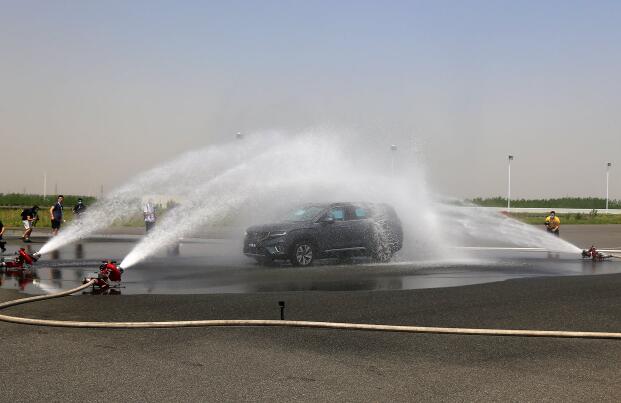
pixel 283 323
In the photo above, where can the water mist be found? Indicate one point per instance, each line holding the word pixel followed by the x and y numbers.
pixel 310 167
pixel 176 177
pixel 249 181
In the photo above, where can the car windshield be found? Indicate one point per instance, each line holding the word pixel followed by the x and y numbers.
pixel 303 213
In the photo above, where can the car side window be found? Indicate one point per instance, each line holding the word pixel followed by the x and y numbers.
pixel 337 213
pixel 357 213
pixel 360 213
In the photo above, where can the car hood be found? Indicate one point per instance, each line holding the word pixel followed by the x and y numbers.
pixel 283 226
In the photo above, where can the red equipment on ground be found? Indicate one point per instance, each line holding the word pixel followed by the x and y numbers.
pixel 594 255
pixel 109 272
pixel 22 261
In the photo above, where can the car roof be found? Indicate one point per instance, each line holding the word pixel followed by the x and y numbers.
pixel 338 204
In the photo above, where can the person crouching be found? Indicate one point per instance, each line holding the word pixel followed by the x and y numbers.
pixel 553 223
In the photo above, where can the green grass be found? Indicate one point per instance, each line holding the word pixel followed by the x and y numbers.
pixel 563 202
pixel 572 218
pixel 12 217
pixel 137 220
pixel 12 204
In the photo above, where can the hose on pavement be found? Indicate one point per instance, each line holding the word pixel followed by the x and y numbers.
pixel 283 323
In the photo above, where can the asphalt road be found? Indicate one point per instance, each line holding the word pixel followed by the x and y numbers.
pixel 602 236
pixel 263 364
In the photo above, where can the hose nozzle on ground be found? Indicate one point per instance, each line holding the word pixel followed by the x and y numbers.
pixel 594 254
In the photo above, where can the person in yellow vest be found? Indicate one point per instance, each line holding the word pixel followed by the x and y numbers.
pixel 553 223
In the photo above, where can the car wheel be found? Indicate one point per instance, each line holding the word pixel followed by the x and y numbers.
pixel 303 254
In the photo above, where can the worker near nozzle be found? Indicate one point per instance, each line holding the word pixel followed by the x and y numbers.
pixel 56 214
pixel 553 223
pixel 79 209
pixel 30 216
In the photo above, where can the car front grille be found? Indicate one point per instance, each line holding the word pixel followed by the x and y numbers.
pixel 257 236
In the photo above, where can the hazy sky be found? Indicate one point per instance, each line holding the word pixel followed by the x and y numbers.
pixel 92 92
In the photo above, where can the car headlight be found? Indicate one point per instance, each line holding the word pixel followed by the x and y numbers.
pixel 277 234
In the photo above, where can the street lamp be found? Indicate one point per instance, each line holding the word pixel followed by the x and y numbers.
pixel 607 177
pixel 393 149
pixel 509 185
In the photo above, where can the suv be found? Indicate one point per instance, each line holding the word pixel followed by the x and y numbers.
pixel 327 230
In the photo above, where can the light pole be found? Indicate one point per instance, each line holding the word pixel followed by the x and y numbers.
pixel 509 185
pixel 44 185
pixel 393 149
pixel 607 177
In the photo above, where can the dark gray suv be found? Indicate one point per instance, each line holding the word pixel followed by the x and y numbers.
pixel 327 230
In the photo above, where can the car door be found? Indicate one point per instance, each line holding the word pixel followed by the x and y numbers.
pixel 359 226
pixel 334 231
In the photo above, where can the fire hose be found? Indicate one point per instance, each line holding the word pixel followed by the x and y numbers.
pixel 283 323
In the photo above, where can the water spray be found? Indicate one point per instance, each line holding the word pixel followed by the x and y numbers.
pixel 472 222
pixel 176 177
pixel 264 172
pixel 303 168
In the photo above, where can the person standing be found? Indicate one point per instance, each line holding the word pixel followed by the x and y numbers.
pixel 149 215
pixel 553 223
pixel 2 242
pixel 56 215
pixel 79 209
pixel 30 216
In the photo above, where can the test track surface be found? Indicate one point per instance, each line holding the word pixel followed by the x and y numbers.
pixel 283 323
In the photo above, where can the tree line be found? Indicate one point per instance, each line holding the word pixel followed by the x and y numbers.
pixel 29 200
pixel 597 203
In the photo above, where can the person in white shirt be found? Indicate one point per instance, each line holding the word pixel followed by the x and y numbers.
pixel 149 215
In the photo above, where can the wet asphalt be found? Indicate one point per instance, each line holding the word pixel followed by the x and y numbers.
pixel 216 265
pixel 266 364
